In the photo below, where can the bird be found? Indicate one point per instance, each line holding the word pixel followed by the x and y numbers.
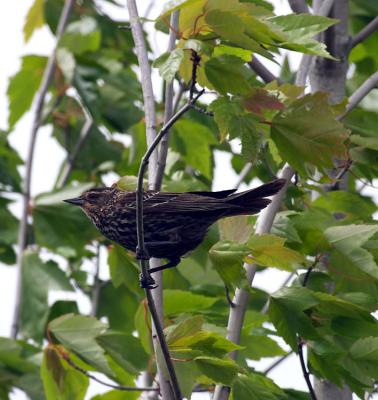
pixel 174 223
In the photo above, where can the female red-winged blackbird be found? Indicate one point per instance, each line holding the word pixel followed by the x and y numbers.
pixel 174 223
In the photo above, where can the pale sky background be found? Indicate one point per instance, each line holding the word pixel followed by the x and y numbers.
pixel 48 156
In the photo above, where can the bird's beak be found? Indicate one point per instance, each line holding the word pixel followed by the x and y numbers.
pixel 77 201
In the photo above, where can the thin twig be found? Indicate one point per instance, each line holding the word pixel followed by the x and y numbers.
pixel 364 33
pixel 66 357
pixel 304 369
pixel 262 71
pixel 141 249
pixel 40 100
pixel 277 363
pixel 305 372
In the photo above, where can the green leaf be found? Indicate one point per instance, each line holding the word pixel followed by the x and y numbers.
pixel 169 64
pixel 235 28
pixel 349 239
pixel 123 269
pixel 81 36
pixel 34 19
pixel 227 257
pixel 18 356
pixel 233 122
pixel 257 347
pixel 369 142
pixel 9 161
pixel 78 334
pixel 351 206
pixel 188 327
pixel 126 350
pixel 117 305
pixel 194 141
pixel 269 250
pixel 354 327
pixel 366 348
pixel 306 132
pixel 34 306
pixel 299 31
pixel 203 343
pixel 58 225
pixel 179 301
pixel 117 395
pixel 256 387
pixel 143 327
pixel 23 86
pixel 61 381
pixel 286 311
pixel 219 69
pixel 217 369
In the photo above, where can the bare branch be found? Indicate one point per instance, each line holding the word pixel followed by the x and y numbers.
pixel 170 388
pixel 262 71
pixel 39 102
pixel 148 93
pixel 305 64
pixel 370 84
pixel 364 33
pixel 96 283
pixel 157 294
pixel 243 173
pixel 299 6
pixel 168 110
pixel 236 316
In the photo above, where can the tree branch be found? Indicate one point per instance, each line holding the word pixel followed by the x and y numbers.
pixel 96 283
pixel 141 249
pixel 148 94
pixel 236 316
pixel 262 71
pixel 370 84
pixel 168 109
pixel 169 388
pixel 40 100
pixel 299 6
pixel 157 294
pixel 364 33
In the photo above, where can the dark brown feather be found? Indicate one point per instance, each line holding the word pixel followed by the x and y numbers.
pixel 174 223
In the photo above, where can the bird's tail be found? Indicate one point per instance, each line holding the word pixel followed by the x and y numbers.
pixel 254 200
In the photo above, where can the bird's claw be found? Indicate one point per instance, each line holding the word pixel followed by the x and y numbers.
pixel 147 282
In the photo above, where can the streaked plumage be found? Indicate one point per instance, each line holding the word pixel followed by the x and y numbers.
pixel 174 223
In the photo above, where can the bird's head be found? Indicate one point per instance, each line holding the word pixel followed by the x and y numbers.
pixel 93 200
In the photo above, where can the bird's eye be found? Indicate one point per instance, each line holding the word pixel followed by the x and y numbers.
pixel 92 197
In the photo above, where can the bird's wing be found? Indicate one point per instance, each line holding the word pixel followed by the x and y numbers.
pixel 166 202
